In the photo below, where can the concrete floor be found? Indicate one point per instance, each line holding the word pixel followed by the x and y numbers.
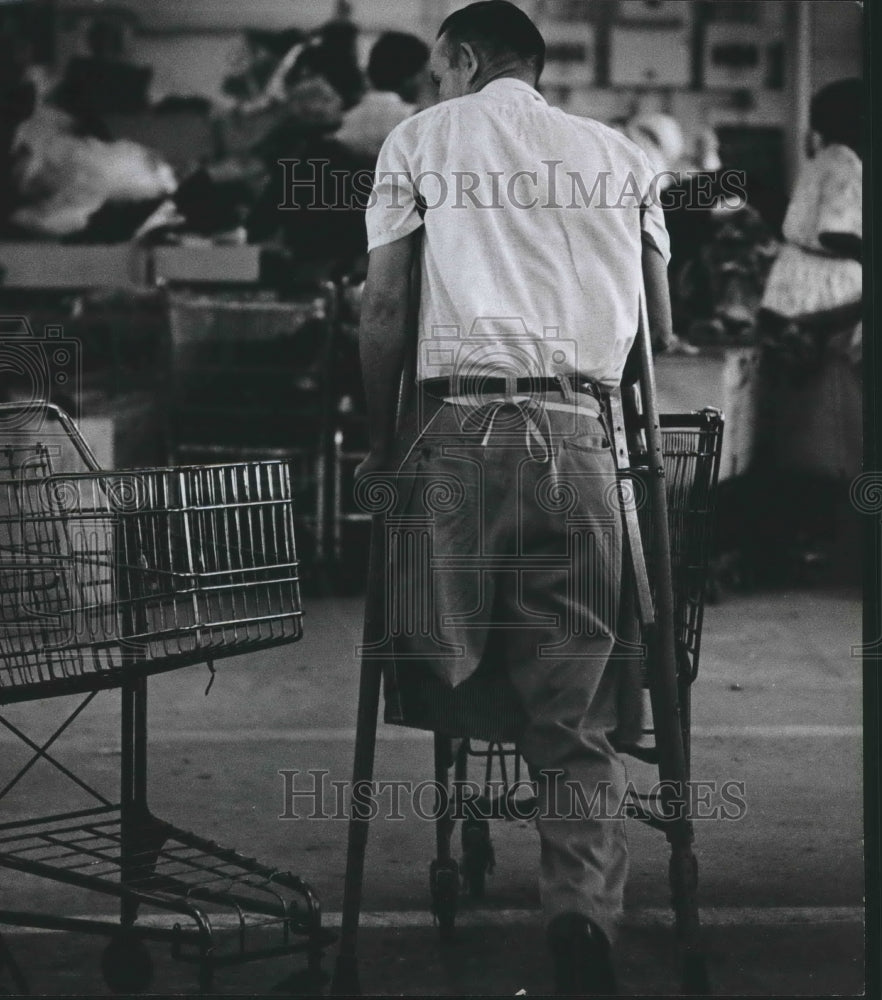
pixel 777 706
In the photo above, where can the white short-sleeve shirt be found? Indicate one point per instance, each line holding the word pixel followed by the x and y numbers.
pixel 533 219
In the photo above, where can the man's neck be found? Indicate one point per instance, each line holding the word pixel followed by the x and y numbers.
pixel 503 73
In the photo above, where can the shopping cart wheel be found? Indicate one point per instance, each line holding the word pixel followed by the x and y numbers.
pixel 477 855
pixel 444 882
pixel 696 981
pixel 126 964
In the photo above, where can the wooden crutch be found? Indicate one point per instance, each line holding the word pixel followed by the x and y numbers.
pixel 664 690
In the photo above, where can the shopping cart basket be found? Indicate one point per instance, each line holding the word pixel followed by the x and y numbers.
pixel 105 579
pixel 669 469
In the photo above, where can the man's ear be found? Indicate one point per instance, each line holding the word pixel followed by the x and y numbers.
pixel 468 60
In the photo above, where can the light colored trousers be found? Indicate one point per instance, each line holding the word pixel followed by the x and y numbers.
pixel 526 571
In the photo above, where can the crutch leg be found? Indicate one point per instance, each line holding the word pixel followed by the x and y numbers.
pixel 444 871
pixel 346 981
pixel 664 691
pixel 684 878
pixel 683 870
pixel 683 874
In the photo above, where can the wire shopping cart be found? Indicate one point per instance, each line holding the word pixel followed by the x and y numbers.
pixel 107 578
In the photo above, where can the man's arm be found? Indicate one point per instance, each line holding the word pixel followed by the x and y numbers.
pixel 382 338
pixel 658 295
pixel 658 307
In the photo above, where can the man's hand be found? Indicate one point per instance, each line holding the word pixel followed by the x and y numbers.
pixel 678 346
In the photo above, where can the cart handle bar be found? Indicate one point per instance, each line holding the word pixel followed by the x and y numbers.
pixel 70 428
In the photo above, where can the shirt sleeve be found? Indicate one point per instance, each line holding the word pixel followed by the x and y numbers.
pixel 840 204
pixel 652 215
pixel 393 212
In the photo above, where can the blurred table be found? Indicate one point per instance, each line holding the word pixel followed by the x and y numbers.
pixel 722 377
pixel 46 265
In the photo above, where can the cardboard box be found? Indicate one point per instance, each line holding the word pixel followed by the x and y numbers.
pixel 207 264
pixel 722 377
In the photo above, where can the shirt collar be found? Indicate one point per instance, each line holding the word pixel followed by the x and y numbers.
pixel 510 84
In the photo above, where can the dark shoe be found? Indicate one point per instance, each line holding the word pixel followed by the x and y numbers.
pixel 582 960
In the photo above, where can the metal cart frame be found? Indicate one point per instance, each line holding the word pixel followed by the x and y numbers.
pixel 105 579
pixel 672 622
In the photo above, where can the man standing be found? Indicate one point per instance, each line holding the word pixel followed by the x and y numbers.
pixel 532 233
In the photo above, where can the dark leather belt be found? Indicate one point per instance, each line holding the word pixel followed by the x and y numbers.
pixel 496 385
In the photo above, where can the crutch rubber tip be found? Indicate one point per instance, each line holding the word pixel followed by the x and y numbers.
pixel 345 982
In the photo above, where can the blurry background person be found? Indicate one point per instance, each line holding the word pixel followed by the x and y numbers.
pixel 105 81
pixel 17 102
pixel 817 280
pixel 812 310
pixel 721 249
pixel 332 55
pixel 259 57
pixel 661 138
pixel 323 227
pixel 398 75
